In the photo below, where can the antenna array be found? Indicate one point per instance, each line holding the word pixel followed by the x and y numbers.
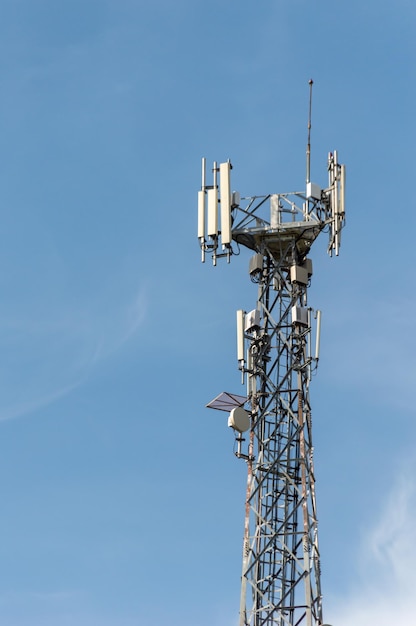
pixel 270 221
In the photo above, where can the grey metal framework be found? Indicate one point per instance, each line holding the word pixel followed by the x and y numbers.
pixel 281 560
pixel 280 553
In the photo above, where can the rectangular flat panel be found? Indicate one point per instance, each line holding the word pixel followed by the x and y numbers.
pixel 201 214
pixel 274 210
pixel 342 190
pixel 212 212
pixel 225 197
pixel 300 315
pixel 235 198
pixel 299 274
pixel 252 320
pixel 240 335
pixel 313 191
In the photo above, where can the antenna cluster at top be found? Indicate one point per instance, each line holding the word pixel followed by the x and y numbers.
pixel 275 221
pixel 209 227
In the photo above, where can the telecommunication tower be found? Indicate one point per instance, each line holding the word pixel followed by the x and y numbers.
pixel 280 582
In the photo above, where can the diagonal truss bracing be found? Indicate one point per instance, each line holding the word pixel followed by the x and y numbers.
pixel 281 555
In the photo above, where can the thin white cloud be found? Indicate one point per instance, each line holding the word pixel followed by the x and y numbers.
pixel 382 593
pixel 33 404
pixel 117 331
pixel 45 358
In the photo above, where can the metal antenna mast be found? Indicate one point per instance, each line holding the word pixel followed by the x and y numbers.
pixel 281 560
pixel 308 147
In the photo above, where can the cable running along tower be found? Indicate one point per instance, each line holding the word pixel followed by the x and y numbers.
pixel 280 583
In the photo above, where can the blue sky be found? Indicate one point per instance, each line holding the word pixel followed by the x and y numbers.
pixel 122 503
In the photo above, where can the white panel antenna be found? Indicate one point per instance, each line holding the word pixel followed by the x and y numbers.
pixel 201 216
pixel 275 215
pixel 318 334
pixel 225 195
pixel 342 190
pixel 300 315
pixel 201 213
pixel 252 321
pixel 235 199
pixel 240 336
pixel 213 207
pixel 215 204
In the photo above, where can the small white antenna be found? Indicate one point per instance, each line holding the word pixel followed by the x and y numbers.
pixel 318 334
pixel 225 194
pixel 240 342
pixel 213 207
pixel 201 213
pixel 308 147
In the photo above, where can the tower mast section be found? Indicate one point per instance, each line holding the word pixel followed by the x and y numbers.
pixel 281 560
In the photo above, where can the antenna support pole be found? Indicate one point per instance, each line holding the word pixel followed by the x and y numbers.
pixel 308 147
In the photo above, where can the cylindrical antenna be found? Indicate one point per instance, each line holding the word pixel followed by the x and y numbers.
pixel 308 147
pixel 203 173
pixel 342 191
pixel 240 337
pixel 212 194
pixel 201 206
pixel 318 334
pixel 240 343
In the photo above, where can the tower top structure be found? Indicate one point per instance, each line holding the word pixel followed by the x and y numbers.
pixel 282 223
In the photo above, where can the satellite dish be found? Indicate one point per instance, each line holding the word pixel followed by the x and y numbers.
pixel 239 419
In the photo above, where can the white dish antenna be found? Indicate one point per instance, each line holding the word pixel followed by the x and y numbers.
pixel 239 420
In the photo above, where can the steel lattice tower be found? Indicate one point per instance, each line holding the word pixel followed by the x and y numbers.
pixel 281 561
